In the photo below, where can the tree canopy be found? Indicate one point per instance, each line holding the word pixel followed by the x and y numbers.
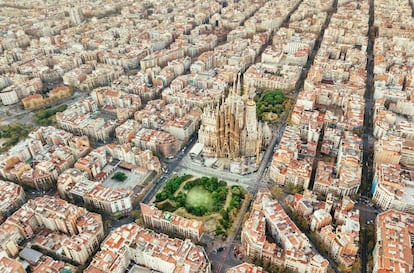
pixel 45 117
pixel 271 102
pixel 14 132
pixel 120 176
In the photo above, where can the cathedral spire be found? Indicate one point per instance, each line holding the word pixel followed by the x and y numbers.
pixel 232 97
pixel 238 84
pixel 233 89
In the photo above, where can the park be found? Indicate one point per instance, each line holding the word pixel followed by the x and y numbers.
pixel 206 199
pixel 271 105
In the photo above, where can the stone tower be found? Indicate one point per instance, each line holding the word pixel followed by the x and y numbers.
pixel 231 129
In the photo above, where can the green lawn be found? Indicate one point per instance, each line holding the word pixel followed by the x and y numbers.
pixel 198 196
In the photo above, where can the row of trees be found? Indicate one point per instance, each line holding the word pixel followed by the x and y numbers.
pixel 197 210
pixel 301 222
pixel 170 188
pixel 209 183
pixel 45 117
pixel 225 222
pixel 320 246
pixel 236 197
pixel 220 231
pixel 293 189
pixel 367 233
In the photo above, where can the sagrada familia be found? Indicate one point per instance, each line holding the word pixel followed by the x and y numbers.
pixel 231 129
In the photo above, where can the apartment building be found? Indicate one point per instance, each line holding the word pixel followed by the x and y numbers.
pixel 393 187
pixel 245 268
pixel 81 231
pixel 156 251
pixel 394 239
pixel 295 251
pixel 50 152
pixel 12 196
pixel 171 223
pixel 74 185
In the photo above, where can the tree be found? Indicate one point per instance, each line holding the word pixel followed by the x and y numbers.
pixel 14 132
pixel 136 213
pixel 356 267
pixel 293 189
pixel 222 184
pixel 45 117
pixel 277 192
pixel 342 268
pixel 225 214
pixel 180 199
pixel 120 176
pixel 219 230
pixel 236 191
pixel 107 224
pixel 370 264
pixel 161 196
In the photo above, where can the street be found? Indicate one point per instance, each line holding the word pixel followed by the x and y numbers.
pixel 223 258
pixel 170 170
pixel 367 162
pixel 15 114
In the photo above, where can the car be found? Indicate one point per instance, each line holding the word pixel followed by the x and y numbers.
pixel 220 249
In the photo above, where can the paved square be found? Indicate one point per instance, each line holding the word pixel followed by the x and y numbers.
pixel 133 179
